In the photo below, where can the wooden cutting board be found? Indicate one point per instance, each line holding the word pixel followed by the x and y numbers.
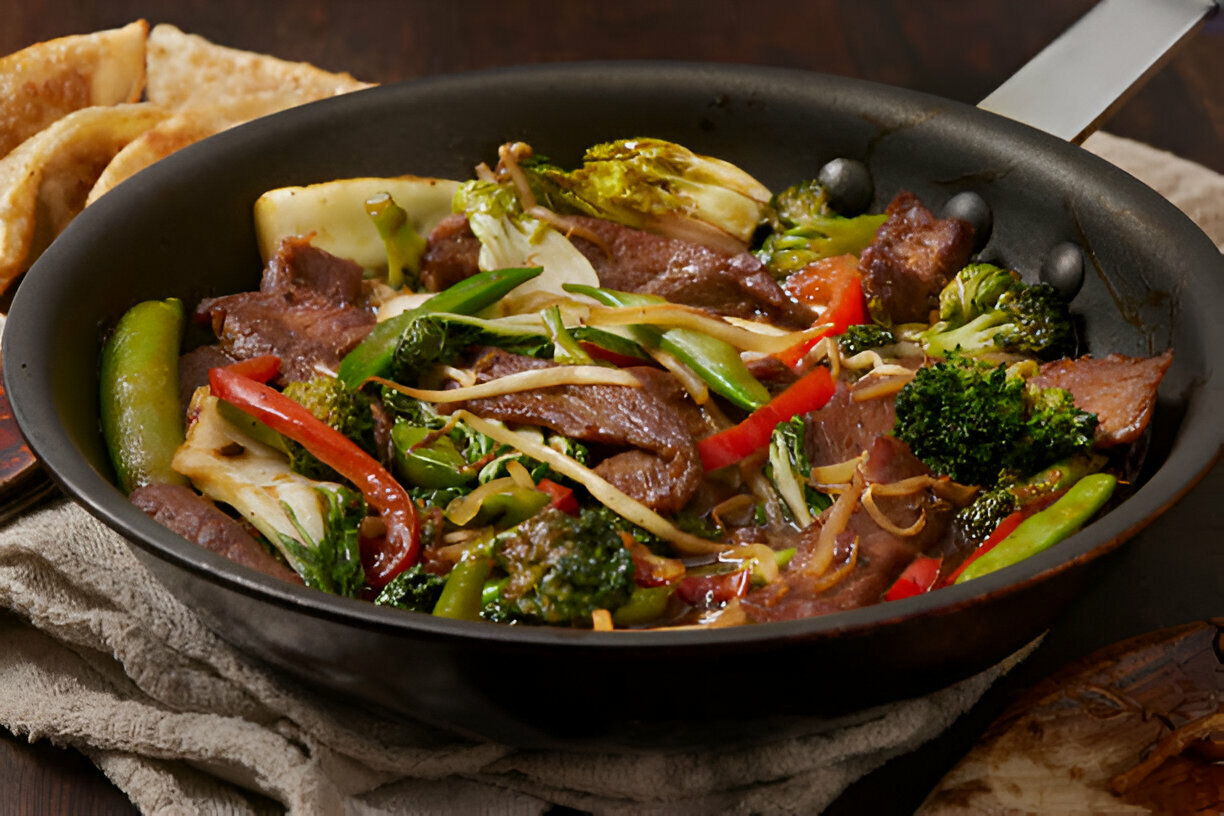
pixel 1135 728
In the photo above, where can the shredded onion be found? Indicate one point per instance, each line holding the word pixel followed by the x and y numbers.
pixel 885 523
pixel 519 474
pixel 737 508
pixel 829 579
pixel 904 487
pixel 509 155
pixel 625 506
pixel 872 387
pixel 766 563
pixel 678 316
pixel 835 521
pixel 837 474
pixel 520 381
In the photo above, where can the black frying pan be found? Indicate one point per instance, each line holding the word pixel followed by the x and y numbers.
pixel 184 228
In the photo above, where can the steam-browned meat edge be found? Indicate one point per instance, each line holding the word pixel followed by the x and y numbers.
pixel 1120 390
pixel 306 312
pixel 914 255
pixel 197 519
pixel 661 469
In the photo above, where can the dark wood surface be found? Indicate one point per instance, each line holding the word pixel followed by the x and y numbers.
pixel 954 49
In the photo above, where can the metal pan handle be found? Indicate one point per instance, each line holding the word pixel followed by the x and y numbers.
pixel 1081 78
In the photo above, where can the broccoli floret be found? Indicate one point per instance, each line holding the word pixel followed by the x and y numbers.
pixel 862 337
pixel 975 423
pixel 985 308
pixel 345 409
pixel 440 337
pixel 560 568
pixel 980 518
pixel 413 589
pixel 805 230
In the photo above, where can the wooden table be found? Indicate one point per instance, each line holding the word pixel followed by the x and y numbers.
pixel 958 50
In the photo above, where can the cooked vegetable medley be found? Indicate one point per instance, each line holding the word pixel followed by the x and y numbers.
pixel 643 392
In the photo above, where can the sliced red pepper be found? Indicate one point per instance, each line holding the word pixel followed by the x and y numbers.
pixel 562 497
pixel 917 578
pixel 808 393
pixel 649 569
pixel 835 283
pixel 261 368
pixel 714 590
pixel 598 352
pixel 383 558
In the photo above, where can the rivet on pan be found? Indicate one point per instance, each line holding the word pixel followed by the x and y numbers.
pixel 1063 268
pixel 971 207
pixel 847 183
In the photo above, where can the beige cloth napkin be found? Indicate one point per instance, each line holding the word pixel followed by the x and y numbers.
pixel 95 654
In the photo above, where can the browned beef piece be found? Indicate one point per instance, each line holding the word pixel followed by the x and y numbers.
pixel 912 258
pixel 843 428
pixel 197 519
pixel 1120 390
pixel 451 254
pixel 882 555
pixel 633 260
pixel 305 312
pixel 661 467
pixel 193 370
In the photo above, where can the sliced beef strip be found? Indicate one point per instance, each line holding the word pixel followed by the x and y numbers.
pixel 305 312
pixel 197 519
pixel 882 555
pixel 661 467
pixel 912 258
pixel 193 370
pixel 844 428
pixel 1120 390
pixel 633 260
pixel 452 253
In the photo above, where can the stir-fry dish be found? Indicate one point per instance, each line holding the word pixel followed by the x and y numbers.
pixel 644 392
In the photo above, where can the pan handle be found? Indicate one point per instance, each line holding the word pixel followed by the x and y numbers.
pixel 1080 79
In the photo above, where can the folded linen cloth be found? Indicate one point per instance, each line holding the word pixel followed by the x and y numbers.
pixel 96 654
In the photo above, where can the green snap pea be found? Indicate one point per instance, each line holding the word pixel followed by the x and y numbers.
pixel 1047 527
pixel 461 595
pixel 717 363
pixel 372 357
pixel 644 605
pixel 435 465
pixel 142 420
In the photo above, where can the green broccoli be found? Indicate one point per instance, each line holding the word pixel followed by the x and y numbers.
pixel 560 568
pixel 865 336
pixel 439 337
pixel 413 589
pixel 345 409
pixel 980 518
pixel 805 229
pixel 985 308
pixel 976 423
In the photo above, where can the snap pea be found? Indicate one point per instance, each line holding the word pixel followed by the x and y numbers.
pixel 142 420
pixel 646 604
pixel 717 363
pixel 462 594
pixel 435 465
pixel 1047 527
pixel 373 355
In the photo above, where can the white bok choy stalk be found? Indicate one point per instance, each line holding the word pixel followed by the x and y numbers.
pixel 313 524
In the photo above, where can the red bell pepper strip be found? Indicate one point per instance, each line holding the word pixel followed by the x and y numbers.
pixel 261 368
pixel 562 497
pixel 382 559
pixel 917 578
pixel 837 283
pixel 1001 532
pixel 808 393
